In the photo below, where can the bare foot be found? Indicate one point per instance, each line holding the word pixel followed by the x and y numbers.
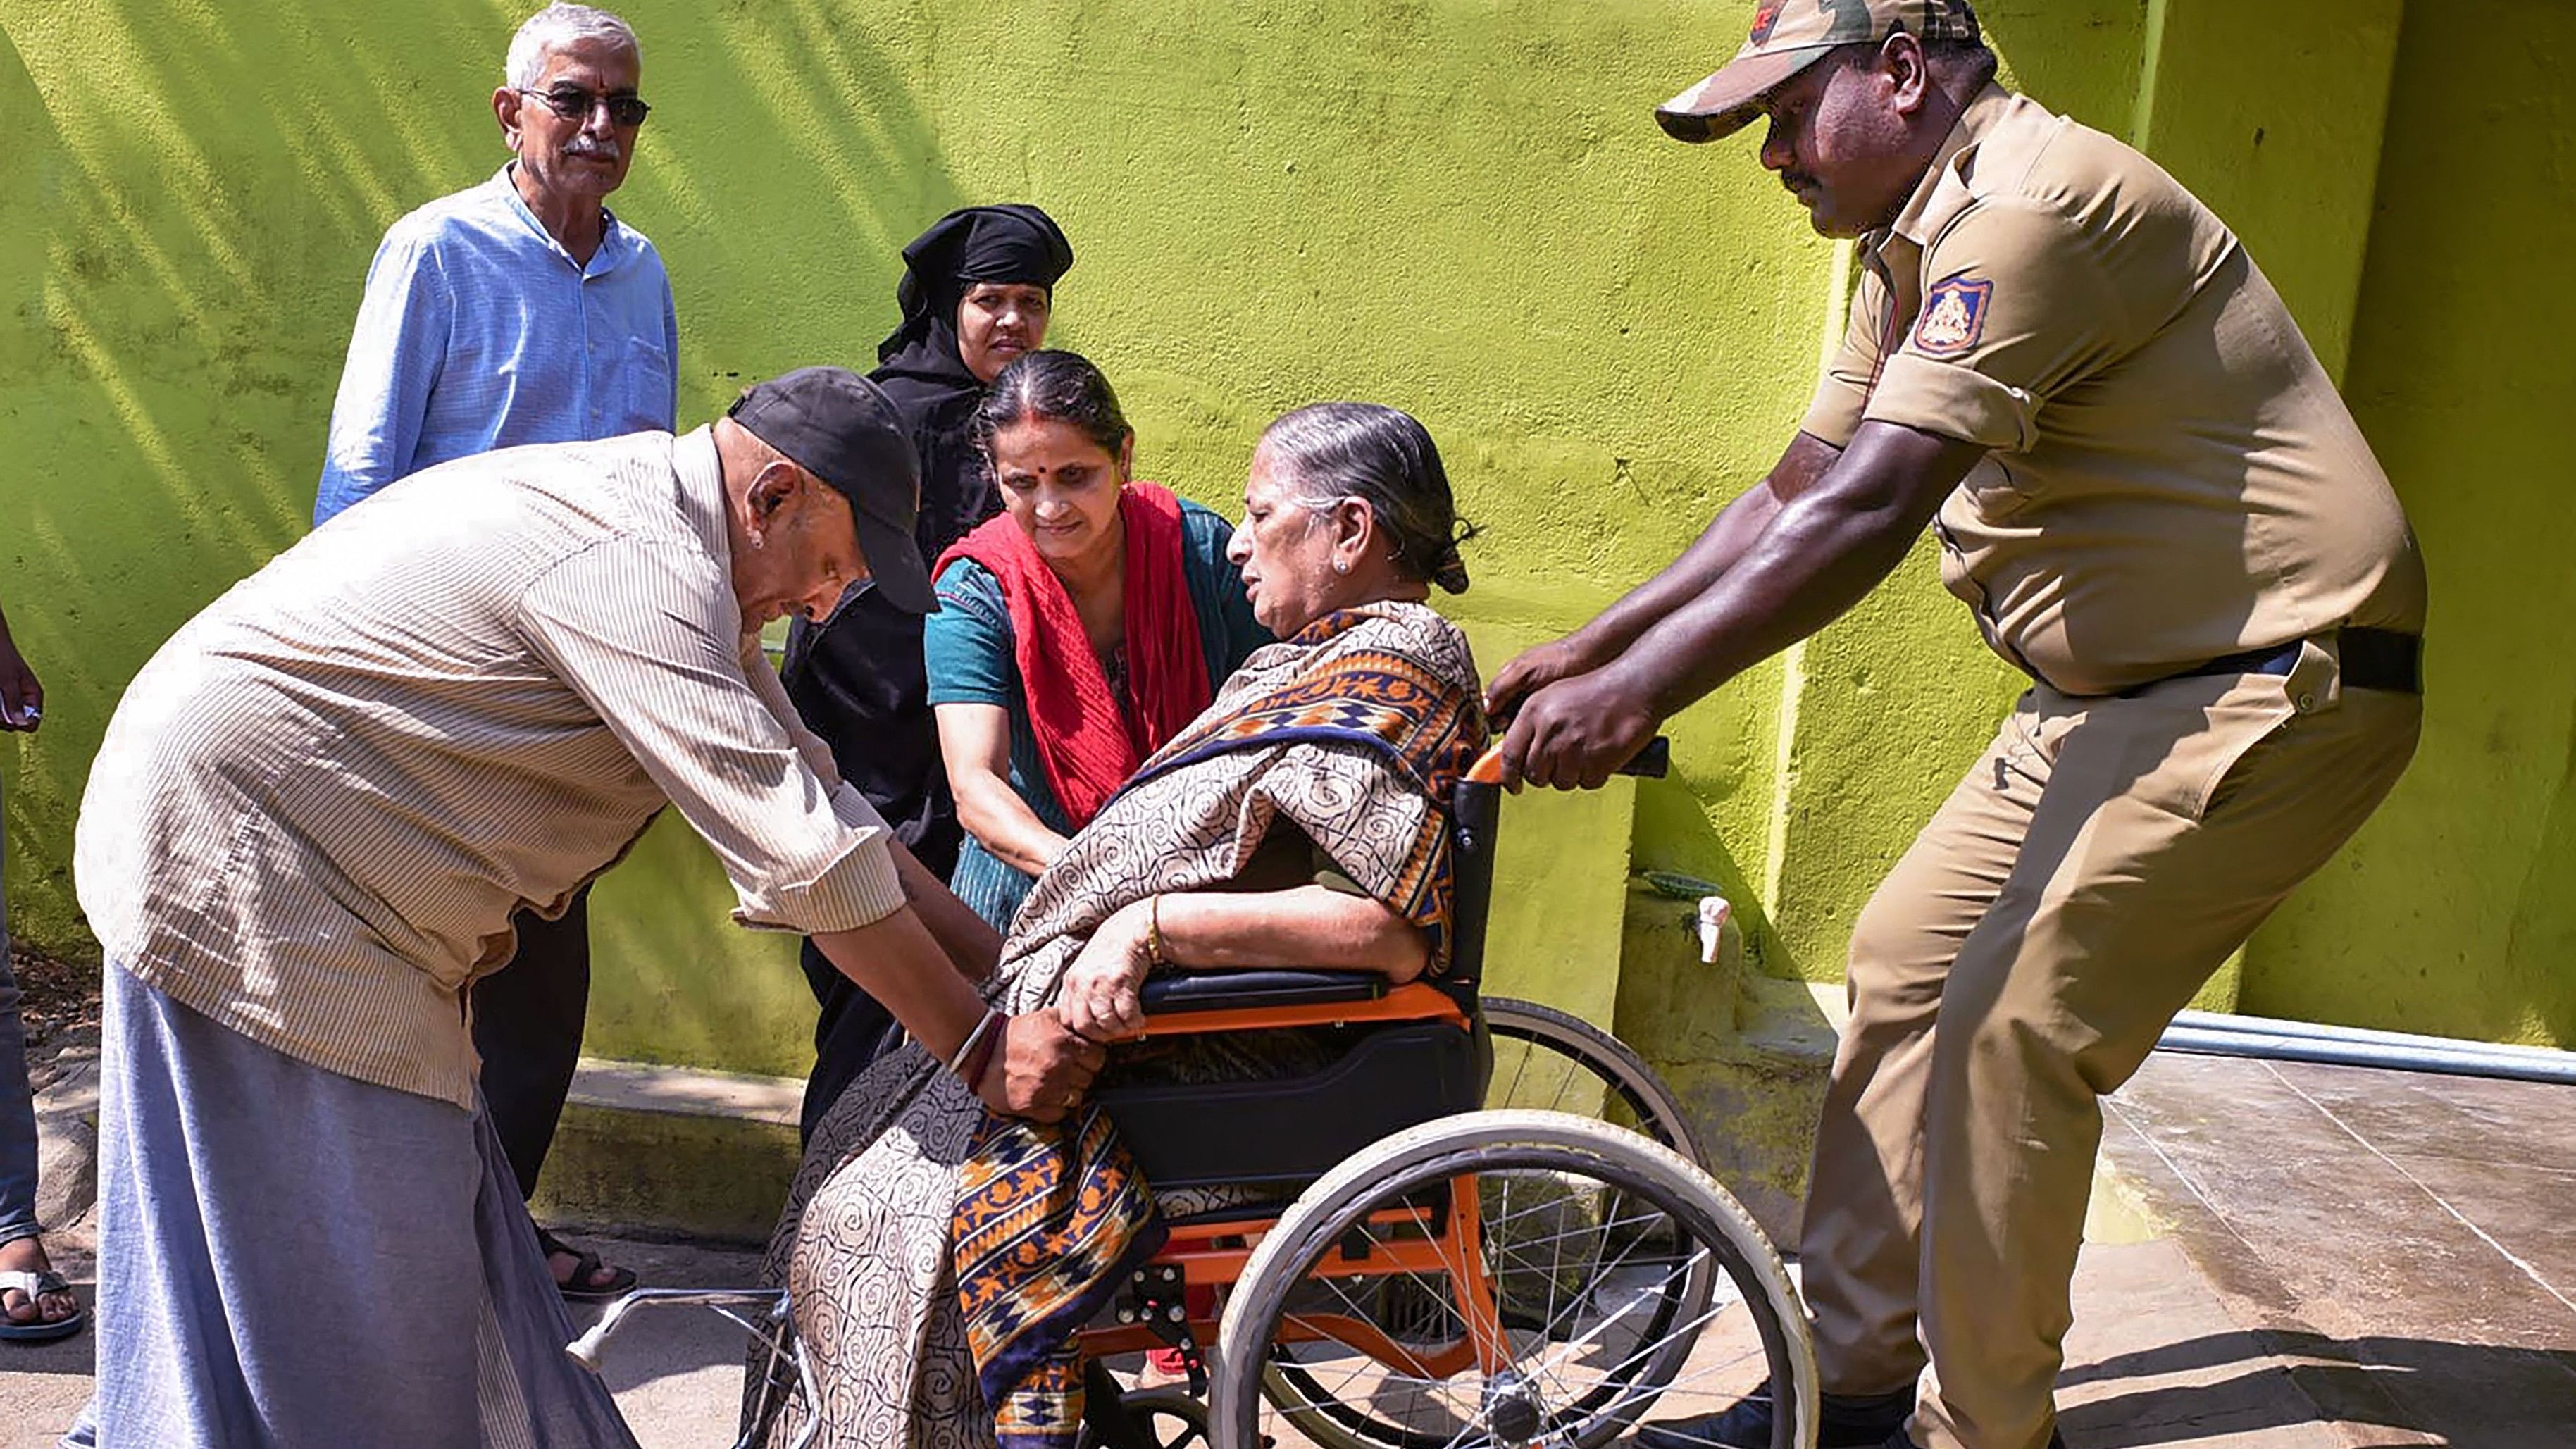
pixel 27 1255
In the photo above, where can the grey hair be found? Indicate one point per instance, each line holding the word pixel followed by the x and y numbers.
pixel 556 27
pixel 1385 459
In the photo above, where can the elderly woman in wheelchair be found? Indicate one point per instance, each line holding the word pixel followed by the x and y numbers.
pixel 958 1278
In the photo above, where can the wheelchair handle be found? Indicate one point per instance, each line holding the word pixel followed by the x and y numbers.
pixel 1651 762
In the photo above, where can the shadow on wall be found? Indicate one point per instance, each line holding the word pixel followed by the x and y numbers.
pixel 193 195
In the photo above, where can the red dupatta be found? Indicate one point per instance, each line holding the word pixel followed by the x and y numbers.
pixel 1084 739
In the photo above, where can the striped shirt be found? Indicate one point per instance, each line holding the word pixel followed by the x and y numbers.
pixel 318 804
pixel 479 331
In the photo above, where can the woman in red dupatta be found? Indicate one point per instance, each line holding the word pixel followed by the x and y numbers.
pixel 1077 632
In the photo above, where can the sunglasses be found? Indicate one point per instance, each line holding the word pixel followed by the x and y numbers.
pixel 575 104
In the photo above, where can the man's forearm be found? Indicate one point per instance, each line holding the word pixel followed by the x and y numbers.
pixel 898 961
pixel 1717 549
pixel 1823 548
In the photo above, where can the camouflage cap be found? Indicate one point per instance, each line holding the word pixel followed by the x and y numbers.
pixel 1788 36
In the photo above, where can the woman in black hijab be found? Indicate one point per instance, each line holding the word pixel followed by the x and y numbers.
pixel 977 291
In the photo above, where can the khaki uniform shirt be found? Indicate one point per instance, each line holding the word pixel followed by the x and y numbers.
pixel 318 804
pixel 2173 477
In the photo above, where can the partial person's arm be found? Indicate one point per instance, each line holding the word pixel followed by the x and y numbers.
pixel 671 350
pixel 2030 299
pixel 970 655
pixel 1818 554
pixel 645 631
pixel 1230 930
pixel 1040 1069
pixel 975 740
pixel 1717 549
pixel 22 699
pixel 1831 416
pixel 972 945
pixel 395 353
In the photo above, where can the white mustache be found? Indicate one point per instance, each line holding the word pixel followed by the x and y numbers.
pixel 584 146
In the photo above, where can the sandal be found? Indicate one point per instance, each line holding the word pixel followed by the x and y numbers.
pixel 580 1288
pixel 36 1286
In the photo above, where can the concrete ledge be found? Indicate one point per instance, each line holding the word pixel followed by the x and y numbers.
pixel 673 1150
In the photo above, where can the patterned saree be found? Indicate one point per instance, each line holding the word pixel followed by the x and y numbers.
pixel 940 1258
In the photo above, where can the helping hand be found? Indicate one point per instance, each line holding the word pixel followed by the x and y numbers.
pixel 1098 998
pixel 1534 669
pixel 1041 1071
pixel 1576 733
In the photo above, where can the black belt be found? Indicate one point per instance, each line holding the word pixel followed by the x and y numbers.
pixel 2372 659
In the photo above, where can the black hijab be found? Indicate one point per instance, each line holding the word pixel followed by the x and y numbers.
pixel 1015 243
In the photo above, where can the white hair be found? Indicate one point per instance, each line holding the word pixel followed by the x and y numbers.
pixel 556 27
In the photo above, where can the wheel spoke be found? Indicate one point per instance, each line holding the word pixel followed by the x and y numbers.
pixel 1602 1258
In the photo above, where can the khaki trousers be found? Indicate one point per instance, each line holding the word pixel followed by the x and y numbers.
pixel 2092 870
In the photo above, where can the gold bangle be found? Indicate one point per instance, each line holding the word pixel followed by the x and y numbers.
pixel 1154 958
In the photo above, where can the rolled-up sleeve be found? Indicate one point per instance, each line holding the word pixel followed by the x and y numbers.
pixel 646 632
pixel 2017 305
pixel 1833 415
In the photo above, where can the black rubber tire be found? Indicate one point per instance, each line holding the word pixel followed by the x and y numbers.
pixel 1244 1372
pixel 1594 1053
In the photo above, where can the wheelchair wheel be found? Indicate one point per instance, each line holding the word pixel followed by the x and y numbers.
pixel 1563 1279
pixel 1554 1061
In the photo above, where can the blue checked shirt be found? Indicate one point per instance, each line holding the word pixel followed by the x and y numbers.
pixel 479 331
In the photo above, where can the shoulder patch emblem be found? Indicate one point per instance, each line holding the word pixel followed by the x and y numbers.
pixel 1954 317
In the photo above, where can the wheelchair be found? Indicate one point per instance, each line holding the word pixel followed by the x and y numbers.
pixel 1483 1223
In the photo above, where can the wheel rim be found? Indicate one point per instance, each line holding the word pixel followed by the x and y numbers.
pixel 1169 1418
pixel 1548 1060
pixel 1598 1321
pixel 1543 1059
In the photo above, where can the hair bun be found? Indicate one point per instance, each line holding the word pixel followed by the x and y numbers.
pixel 1449 571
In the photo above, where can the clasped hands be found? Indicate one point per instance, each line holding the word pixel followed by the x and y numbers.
pixel 1049 1056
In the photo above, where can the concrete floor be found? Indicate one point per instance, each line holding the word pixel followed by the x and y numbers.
pixel 2332 1259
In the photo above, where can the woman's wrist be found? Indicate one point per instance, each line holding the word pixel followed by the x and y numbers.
pixel 1157 955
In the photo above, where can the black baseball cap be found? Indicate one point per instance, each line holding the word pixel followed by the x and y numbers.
pixel 843 429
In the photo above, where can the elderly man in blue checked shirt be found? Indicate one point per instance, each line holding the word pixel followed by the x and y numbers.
pixel 520 311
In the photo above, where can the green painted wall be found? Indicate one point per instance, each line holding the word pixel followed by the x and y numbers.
pixel 1458 206
pixel 1461 208
pixel 2455 909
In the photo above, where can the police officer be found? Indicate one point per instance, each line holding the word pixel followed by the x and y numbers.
pixel 2153 502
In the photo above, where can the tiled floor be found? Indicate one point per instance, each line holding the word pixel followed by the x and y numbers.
pixel 2403 1245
